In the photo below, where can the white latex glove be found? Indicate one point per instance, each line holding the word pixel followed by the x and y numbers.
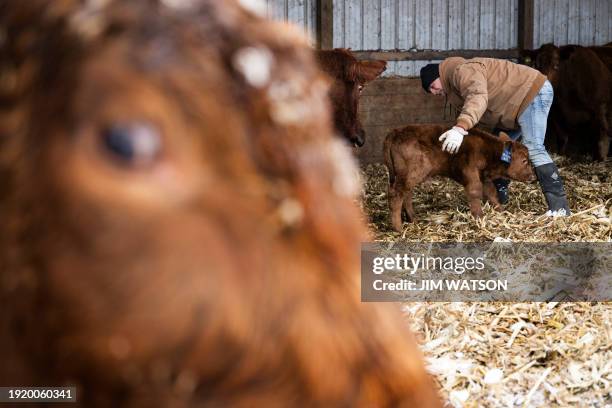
pixel 452 139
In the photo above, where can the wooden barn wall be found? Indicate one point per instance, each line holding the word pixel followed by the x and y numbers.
pixel 388 25
pixel 300 12
pixel 423 25
pixel 389 103
pixel 584 22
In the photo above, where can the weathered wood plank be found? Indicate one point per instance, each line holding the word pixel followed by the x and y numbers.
pixel 388 17
pixel 487 24
pixel 503 21
pixel 354 24
pixel 455 24
pixel 423 24
pixel 547 21
pixel 406 30
pixel 439 21
pixel 296 12
pixel 386 103
pixel 371 25
pixel 602 22
pixel 587 22
pixel 276 10
pixel 573 22
pixel 388 31
pixel 471 28
pixel 324 11
pixel 434 55
pixel 514 42
pixel 536 24
pixel 373 124
pixel 561 16
pixel 528 14
pixel 339 20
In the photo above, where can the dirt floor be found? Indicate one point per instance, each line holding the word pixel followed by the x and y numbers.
pixel 510 354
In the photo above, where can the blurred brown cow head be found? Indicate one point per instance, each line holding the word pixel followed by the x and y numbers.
pixel 178 225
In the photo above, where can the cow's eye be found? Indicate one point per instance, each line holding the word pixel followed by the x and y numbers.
pixel 135 143
pixel 360 88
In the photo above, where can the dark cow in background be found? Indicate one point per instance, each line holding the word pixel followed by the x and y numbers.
pixel 414 154
pixel 581 115
pixel 178 222
pixel 349 77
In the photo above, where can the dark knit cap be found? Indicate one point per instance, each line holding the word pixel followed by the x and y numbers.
pixel 429 73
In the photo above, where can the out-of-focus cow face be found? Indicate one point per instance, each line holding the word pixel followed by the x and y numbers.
pixel 545 59
pixel 349 76
pixel 178 221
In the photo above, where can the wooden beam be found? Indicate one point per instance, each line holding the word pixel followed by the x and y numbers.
pixel 525 24
pixel 434 55
pixel 325 24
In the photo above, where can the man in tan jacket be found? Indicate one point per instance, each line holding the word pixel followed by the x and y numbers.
pixel 502 95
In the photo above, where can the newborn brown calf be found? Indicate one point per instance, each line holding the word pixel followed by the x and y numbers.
pixel 413 154
pixel 178 224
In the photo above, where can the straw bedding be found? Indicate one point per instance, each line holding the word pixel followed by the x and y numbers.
pixel 510 354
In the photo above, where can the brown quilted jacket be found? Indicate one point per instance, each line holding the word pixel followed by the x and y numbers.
pixel 491 91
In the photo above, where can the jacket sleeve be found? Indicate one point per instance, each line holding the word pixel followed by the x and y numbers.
pixel 471 81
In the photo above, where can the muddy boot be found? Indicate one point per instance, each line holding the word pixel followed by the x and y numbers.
pixel 501 185
pixel 552 187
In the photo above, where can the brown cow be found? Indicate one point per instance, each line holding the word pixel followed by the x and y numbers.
pixel 581 114
pixel 413 154
pixel 178 222
pixel 349 77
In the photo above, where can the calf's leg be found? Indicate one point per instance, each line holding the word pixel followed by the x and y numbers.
pixel 408 204
pixel 603 142
pixel 395 208
pixel 490 193
pixel 473 191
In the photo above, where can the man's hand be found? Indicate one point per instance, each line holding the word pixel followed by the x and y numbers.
pixel 452 139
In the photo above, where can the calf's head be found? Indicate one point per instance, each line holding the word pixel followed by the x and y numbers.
pixel 178 226
pixel 519 167
pixel 349 77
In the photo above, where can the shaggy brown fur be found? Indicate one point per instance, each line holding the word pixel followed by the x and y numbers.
pixel 349 77
pixel 413 154
pixel 580 121
pixel 213 265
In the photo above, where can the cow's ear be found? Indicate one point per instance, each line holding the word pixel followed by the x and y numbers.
pixel 366 71
pixel 503 136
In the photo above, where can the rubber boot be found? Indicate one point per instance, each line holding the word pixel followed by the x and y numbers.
pixel 501 185
pixel 552 187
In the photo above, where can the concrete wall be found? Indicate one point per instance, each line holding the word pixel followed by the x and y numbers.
pixel 390 103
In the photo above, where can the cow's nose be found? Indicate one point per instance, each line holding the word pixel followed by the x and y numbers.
pixel 359 138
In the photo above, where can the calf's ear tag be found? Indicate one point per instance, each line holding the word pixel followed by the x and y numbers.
pixel 506 156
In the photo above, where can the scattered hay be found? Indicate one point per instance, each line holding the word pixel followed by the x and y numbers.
pixel 510 354
pixel 443 214
pixel 518 354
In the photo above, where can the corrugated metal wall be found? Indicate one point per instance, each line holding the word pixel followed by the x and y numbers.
pixel 449 24
pixel 300 12
pixel 584 22
pixel 424 24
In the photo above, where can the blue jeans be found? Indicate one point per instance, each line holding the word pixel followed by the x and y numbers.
pixel 532 124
